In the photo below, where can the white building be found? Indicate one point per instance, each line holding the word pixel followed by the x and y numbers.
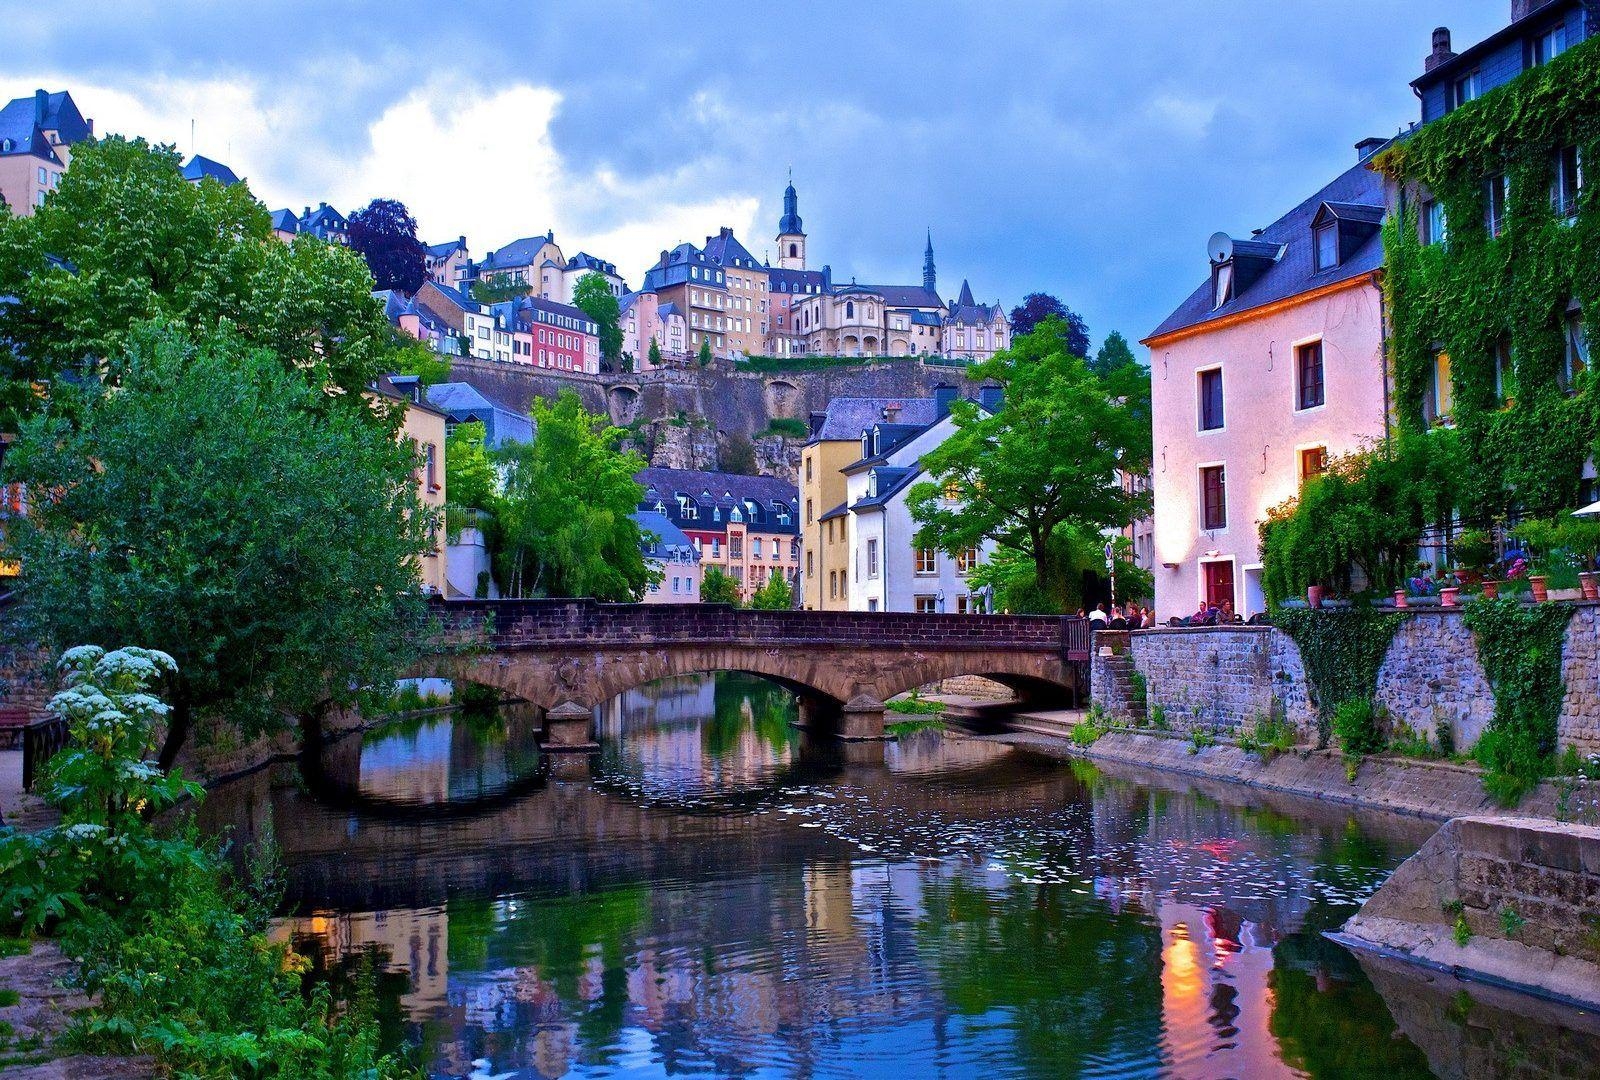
pixel 888 571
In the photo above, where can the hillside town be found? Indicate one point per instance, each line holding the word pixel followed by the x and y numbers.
pixel 495 655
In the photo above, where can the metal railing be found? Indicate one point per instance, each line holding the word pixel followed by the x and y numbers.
pixel 41 741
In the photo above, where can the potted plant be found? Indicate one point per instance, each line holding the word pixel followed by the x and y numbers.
pixel 1449 589
pixel 1422 585
pixel 1475 561
pixel 1314 596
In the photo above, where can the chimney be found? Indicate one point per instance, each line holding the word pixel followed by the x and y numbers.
pixel 664 254
pixel 891 412
pixel 463 242
pixel 726 232
pixel 1367 147
pixel 1441 50
pixel 991 398
pixel 305 213
pixel 1521 9
pixel 943 396
pixel 41 105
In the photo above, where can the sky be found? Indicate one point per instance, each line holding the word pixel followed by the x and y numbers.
pixel 1082 149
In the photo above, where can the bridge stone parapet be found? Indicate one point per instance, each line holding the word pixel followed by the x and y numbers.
pixel 561 654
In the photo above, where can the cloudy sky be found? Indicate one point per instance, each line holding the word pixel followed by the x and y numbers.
pixel 1086 149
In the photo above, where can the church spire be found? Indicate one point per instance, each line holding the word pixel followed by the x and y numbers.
pixel 929 277
pixel 789 224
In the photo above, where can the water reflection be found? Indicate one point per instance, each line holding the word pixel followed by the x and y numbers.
pixel 721 902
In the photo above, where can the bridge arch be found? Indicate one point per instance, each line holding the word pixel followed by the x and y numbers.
pixel 623 404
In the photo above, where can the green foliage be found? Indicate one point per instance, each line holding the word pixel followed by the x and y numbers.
pixel 914 705
pixel 1511 923
pixel 125 239
pixel 1045 465
pixel 1268 737
pixel 788 427
pixel 1406 741
pixel 1158 718
pixel 1086 731
pixel 739 456
pixel 1520 649
pixel 901 728
pixel 1114 352
pixel 1366 513
pixel 655 353
pixel 1078 553
pixel 1461 931
pixel 412 357
pixel 1356 727
pixel 272 549
pixel 497 288
pixel 1342 652
pixel 705 352
pixel 175 952
pixel 593 295
pixel 1480 292
pixel 775 595
pixel 475 697
pixel 1199 739
pixel 718 587
pixel 566 521
pixel 470 479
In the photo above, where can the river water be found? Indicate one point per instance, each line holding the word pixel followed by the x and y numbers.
pixel 722 898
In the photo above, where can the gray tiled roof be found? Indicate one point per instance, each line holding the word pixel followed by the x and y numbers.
pixel 722 492
pixel 1295 270
pixel 669 535
pixel 464 402
pixel 724 249
pixel 848 417
pixel 890 483
pixel 285 221
pixel 200 167
pixel 907 296
pixel 517 253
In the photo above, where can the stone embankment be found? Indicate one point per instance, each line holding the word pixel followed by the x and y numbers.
pixel 1514 901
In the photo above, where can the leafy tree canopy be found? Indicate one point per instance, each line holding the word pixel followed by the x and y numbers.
pixel 705 352
pixel 126 239
pixel 272 549
pixel 385 234
pixel 654 353
pixel 718 587
pixel 592 294
pixel 566 515
pixel 1114 353
pixel 498 287
pixel 469 476
pixel 412 357
pixel 1052 457
pixel 1037 307
pixel 775 595
pixel 1080 553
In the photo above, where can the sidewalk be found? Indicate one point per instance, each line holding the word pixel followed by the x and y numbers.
pixel 21 810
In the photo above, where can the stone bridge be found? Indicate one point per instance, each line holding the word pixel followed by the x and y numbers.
pixel 569 656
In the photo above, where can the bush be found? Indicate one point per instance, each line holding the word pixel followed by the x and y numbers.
pixel 1269 737
pixel 1513 762
pixel 788 427
pixel 1355 726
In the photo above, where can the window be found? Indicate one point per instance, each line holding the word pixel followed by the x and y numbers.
pixel 1313 462
pixel 1503 368
pixel 872 558
pixel 736 547
pixel 966 560
pixel 1308 362
pixel 1547 46
pixel 1465 89
pixel 1438 394
pixel 927 561
pixel 1224 283
pixel 1213 498
pixel 1211 400
pixel 432 467
pixel 811 567
pixel 1327 237
pixel 808 466
pixel 1577 358
pixel 1567 183
pixel 1435 227
pixel 716 547
pixel 964 605
pixel 833 584
pixel 44 176
pixel 794 550
pixel 926 605
pixel 755 548
pixel 675 583
pixel 808 512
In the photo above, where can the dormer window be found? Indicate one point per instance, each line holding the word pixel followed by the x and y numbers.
pixel 866 444
pixel 1326 237
pixel 1224 284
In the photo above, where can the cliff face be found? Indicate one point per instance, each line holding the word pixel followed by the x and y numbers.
pixel 701 419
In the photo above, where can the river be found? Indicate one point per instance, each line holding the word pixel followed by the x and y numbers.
pixel 723 898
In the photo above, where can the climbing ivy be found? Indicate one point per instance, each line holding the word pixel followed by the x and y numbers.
pixel 1477 291
pixel 1342 652
pixel 1520 648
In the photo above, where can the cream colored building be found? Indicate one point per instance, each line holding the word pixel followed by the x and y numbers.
pixel 746 281
pixel 424 427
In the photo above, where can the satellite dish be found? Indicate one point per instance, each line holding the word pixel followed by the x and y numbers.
pixel 1220 247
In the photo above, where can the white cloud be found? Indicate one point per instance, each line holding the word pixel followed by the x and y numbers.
pixel 464 159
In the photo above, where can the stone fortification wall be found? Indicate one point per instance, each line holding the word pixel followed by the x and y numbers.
pixel 1218 678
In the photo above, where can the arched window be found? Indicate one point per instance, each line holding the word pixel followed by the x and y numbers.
pixel 794 249
pixel 849 309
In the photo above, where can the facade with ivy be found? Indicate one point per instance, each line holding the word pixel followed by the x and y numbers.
pixel 1493 261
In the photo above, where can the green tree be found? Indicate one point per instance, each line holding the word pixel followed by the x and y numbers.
pixel 1080 554
pixel 272 550
pixel 497 287
pixel 125 239
pixel 775 595
pixel 566 516
pixel 705 352
pixel 717 587
pixel 469 476
pixel 592 294
pixel 412 357
pixel 655 353
pixel 740 456
pixel 1114 353
pixel 1052 457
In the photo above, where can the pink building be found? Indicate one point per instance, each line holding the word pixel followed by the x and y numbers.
pixel 1268 369
pixel 645 318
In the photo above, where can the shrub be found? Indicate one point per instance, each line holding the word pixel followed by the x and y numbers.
pixel 788 427
pixel 1199 739
pixel 1513 763
pixel 1085 732
pixel 1355 726
pixel 1268 737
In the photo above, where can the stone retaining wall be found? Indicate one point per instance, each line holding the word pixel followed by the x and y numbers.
pixel 1224 677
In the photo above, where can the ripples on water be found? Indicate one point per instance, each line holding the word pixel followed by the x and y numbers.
pixel 726 900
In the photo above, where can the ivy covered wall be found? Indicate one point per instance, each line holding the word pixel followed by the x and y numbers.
pixel 1524 443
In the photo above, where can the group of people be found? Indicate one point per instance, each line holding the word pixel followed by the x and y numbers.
pixel 1213 615
pixel 1121 617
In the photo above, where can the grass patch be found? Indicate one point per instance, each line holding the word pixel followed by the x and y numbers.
pixel 787 427
pixel 1267 738
pixel 762 365
pixel 9 998
pixel 914 705
pixel 910 727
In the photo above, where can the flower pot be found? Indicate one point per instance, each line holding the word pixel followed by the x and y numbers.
pixel 1491 590
pixel 1400 598
pixel 1590 584
pixel 1314 596
pixel 1536 583
pixel 1447 596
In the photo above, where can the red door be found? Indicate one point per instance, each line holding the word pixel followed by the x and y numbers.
pixel 1219 582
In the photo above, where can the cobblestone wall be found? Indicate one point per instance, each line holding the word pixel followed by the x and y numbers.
pixel 1220 677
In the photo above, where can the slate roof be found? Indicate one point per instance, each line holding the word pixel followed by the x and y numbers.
pixel 676 271
pixel 669 308
pixel 798 281
pixel 446 249
pixel 837 512
pixel 522 305
pixel 200 167
pixel 323 220
pixel 724 249
pixel 1294 271
pixel 891 482
pixel 584 261
pixel 24 120
pixel 285 221
pixel 908 296
pixel 517 253
pixel 463 402
pixel 966 311
pixel 848 417
pixel 455 296
pixel 669 536
pixel 20 134
pixel 1469 58
pixel 721 492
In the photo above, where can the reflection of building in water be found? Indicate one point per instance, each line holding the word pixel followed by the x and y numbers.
pixel 451 758
pixel 688 699
pixel 1215 979
pixel 726 733
pixel 413 942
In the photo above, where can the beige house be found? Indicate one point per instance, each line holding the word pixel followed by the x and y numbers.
pixel 424 427
pixel 974 331
pixel 37 134
pixel 447 263
pixel 746 280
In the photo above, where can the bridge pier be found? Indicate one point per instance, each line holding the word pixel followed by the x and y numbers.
pixel 569 729
pixel 861 720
